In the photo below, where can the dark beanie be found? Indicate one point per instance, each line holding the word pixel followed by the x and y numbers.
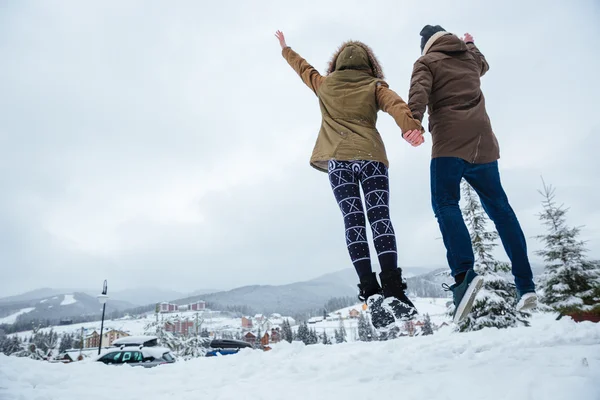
pixel 427 32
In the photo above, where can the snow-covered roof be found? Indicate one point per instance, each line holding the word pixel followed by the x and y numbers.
pixel 133 340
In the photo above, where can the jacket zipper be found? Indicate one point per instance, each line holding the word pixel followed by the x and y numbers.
pixel 476 149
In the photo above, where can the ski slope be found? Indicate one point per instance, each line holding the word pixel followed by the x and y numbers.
pixel 68 299
pixel 11 319
pixel 552 360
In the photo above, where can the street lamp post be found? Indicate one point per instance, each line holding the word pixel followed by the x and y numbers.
pixel 102 298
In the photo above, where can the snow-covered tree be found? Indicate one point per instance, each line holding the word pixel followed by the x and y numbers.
pixel 313 337
pixel 571 282
pixel 494 304
pixel 341 332
pixel 325 338
pixel 286 331
pixel 336 335
pixel 365 331
pixel 66 342
pixel 427 328
pixel 193 347
pixel 9 344
pixel 257 342
pixel 165 338
pixel 303 333
pixel 30 350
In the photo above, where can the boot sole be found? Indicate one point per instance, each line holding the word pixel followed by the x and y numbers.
pixel 527 303
pixel 466 304
pixel 387 303
pixel 384 315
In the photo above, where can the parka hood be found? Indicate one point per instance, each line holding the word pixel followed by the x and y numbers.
pixel 445 42
pixel 355 55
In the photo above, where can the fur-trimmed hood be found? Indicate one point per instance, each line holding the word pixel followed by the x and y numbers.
pixel 355 55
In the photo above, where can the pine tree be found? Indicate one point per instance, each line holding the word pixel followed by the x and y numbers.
pixel 194 347
pixel 365 332
pixel 571 282
pixel 286 331
pixel 303 333
pixel 258 338
pixel 494 304
pixel 325 338
pixel 12 345
pixel 427 328
pixel 66 342
pixel 342 331
pixel 313 337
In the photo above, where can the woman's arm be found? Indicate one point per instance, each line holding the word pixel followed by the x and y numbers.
pixel 310 76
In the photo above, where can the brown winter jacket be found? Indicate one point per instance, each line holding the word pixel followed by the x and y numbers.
pixel 349 97
pixel 447 79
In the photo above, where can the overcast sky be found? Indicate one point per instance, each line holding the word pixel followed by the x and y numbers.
pixel 166 144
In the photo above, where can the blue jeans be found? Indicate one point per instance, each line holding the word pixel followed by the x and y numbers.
pixel 446 175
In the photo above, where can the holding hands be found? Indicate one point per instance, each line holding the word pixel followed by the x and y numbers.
pixel 414 137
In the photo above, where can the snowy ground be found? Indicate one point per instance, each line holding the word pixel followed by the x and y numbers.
pixel 552 360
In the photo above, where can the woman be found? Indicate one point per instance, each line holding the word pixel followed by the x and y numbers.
pixel 350 149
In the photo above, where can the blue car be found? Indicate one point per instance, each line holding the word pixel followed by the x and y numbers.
pixel 226 347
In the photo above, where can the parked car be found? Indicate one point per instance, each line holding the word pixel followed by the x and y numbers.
pixel 138 356
pixel 137 351
pixel 225 347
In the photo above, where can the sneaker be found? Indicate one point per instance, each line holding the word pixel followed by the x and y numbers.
pixel 370 292
pixel 394 287
pixel 526 301
pixel 464 295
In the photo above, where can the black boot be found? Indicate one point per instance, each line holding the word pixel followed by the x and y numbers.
pixel 371 293
pixel 395 298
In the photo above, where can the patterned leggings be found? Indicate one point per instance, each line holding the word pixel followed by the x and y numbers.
pixel 345 178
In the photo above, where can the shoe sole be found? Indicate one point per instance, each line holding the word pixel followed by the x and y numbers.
pixel 387 304
pixel 527 303
pixel 466 304
pixel 377 303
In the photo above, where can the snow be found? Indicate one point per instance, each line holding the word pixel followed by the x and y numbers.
pixel 69 299
pixel 43 301
pixel 552 360
pixel 11 319
pixel 133 340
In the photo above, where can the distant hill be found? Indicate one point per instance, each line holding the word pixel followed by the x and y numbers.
pixel 56 307
pixel 139 296
pixel 292 298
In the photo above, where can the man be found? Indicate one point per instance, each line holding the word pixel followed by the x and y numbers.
pixel 446 78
